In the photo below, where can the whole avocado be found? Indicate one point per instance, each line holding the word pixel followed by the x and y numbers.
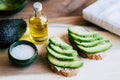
pixel 11 30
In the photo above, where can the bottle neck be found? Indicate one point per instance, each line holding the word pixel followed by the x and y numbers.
pixel 37 13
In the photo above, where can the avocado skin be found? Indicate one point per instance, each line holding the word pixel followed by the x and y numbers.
pixel 11 30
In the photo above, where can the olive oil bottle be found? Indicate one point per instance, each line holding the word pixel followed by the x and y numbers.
pixel 38 25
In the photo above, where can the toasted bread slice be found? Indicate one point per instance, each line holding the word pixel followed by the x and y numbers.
pixel 98 56
pixel 64 71
pixel 89 45
pixel 63 59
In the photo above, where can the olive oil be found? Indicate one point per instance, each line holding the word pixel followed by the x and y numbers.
pixel 38 25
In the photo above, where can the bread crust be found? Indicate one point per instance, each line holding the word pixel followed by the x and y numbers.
pixel 64 72
pixel 98 56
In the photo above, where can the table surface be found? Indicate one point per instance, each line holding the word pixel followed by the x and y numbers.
pixel 57 11
pixel 92 70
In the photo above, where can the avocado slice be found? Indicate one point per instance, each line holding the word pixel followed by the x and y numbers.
pixel 60 56
pixel 58 42
pixel 84 39
pixel 77 31
pixel 101 47
pixel 64 64
pixel 90 44
pixel 68 52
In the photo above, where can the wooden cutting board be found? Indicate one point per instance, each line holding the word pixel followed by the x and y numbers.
pixel 106 69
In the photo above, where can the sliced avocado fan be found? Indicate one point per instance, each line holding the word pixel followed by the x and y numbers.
pixel 62 55
pixel 64 64
pixel 101 47
pixel 88 42
pixel 82 33
pixel 57 41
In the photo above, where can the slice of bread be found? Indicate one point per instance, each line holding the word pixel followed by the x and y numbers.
pixel 64 71
pixel 97 56
pixel 60 62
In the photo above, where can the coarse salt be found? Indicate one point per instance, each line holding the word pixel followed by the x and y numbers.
pixel 22 52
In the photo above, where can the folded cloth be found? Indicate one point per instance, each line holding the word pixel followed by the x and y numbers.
pixel 104 13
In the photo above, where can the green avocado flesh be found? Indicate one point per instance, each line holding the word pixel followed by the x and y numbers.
pixel 58 42
pixel 11 4
pixel 11 30
pixel 64 64
pixel 96 49
pixel 68 52
pixel 77 32
pixel 88 42
pixel 62 55
pixel 84 39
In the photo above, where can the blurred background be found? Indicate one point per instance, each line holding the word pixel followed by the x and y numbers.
pixel 54 9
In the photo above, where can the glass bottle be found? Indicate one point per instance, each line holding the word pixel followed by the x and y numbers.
pixel 38 25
